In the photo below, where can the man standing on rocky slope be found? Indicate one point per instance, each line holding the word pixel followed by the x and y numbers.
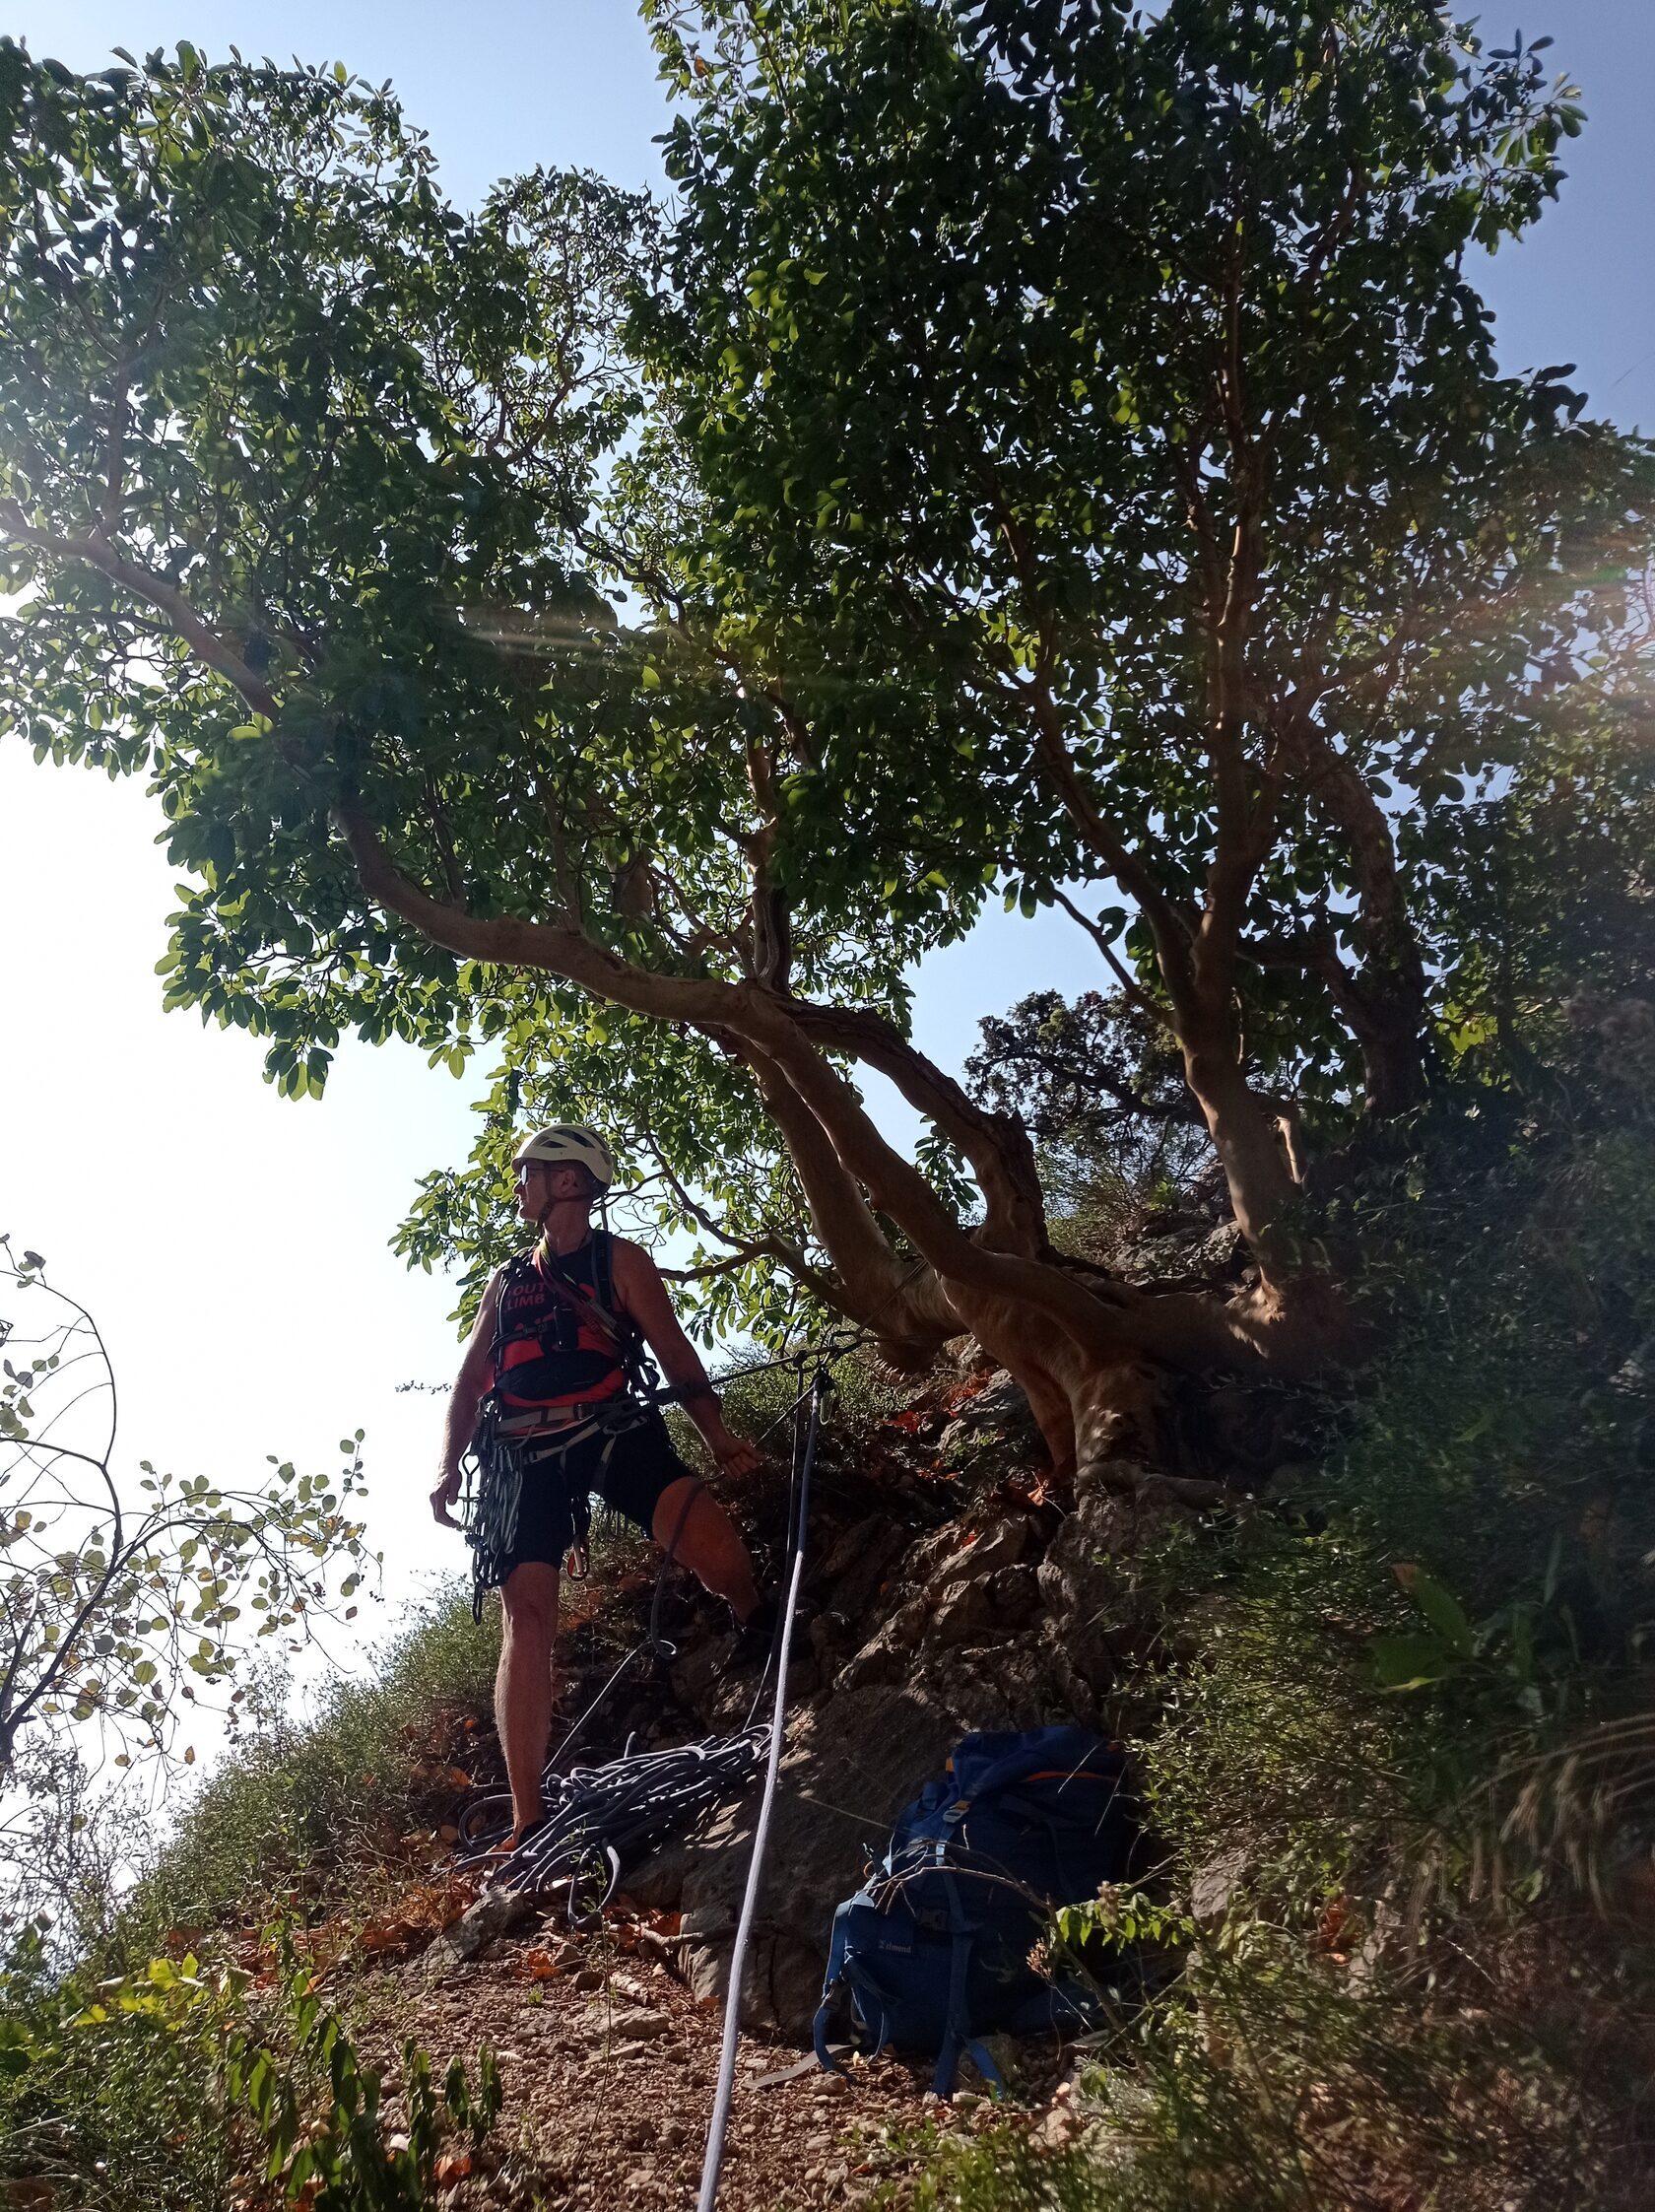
pixel 550 1395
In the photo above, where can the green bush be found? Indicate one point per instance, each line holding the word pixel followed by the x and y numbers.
pixel 1466 1584
pixel 1400 1726
pixel 301 1807
pixel 121 2114
pixel 1002 2170
pixel 1270 2088
pixel 148 2092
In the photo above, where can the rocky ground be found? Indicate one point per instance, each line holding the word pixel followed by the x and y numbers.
pixel 608 2065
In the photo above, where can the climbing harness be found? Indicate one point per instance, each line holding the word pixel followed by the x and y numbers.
pixel 498 1461
pixel 542 1323
pixel 559 1342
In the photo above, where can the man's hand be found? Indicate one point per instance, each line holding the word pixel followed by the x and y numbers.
pixel 442 1498
pixel 734 1454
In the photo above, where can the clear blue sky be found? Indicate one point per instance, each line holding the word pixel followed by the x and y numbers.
pixel 234 1244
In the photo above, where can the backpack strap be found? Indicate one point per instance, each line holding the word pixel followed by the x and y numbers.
pixel 603 1275
pixel 641 1376
pixel 512 1272
pixel 599 1310
pixel 818 2035
pixel 835 1979
pixel 960 2042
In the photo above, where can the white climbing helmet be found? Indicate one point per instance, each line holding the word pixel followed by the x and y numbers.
pixel 566 1146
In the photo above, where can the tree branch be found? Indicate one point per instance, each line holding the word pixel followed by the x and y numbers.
pixel 770 1244
pixel 203 640
pixel 996 1145
pixel 1123 975
pixel 770 1038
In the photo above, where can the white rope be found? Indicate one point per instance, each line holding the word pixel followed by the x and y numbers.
pixel 712 2163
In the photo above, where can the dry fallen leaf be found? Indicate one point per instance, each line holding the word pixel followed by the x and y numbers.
pixel 387 1935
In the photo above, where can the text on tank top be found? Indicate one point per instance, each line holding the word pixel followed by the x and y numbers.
pixel 546 1352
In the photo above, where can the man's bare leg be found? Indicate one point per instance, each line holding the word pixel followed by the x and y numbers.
pixel 708 1543
pixel 523 1684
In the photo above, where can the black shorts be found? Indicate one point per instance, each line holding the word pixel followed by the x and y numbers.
pixel 641 1464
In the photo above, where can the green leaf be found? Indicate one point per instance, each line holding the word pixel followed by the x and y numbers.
pixel 1442 1610
pixel 1411 1662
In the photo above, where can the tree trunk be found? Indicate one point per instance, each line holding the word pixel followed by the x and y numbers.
pixel 1385 1001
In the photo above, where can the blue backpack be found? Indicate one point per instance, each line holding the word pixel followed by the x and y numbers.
pixel 934 1950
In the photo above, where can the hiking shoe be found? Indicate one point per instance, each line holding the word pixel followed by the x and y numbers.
pixel 757 1634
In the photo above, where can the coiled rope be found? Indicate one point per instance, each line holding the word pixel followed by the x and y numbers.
pixel 600 1817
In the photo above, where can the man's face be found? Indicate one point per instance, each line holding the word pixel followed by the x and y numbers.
pixel 540 1183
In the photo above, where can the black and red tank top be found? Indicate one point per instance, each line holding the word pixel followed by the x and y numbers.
pixel 560 1337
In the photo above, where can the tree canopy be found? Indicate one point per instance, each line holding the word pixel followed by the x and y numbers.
pixel 1049 453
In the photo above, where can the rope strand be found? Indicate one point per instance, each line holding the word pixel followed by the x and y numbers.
pixel 713 2161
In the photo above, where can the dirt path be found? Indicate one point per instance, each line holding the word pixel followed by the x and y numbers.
pixel 609 2067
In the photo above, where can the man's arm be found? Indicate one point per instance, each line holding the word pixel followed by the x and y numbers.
pixel 477 1373
pixel 644 1295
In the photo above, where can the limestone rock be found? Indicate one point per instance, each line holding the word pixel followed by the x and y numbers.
pixel 850 1766
pixel 658 1881
pixel 1000 1404
pixel 1013 1595
pixel 1214 1886
pixel 495 1914
pixel 966 1611
pixel 1074 1696
pixel 1123 1480
pixel 879 1661
pixel 1077 1585
pixel 829 1633
pixel 637 2023
pixel 859 1563
pixel 1001 1545
pixel 1006 1683
pixel 705 1683
pixel 1223 1251
pixel 884 1658
pixel 924 1558
pixel 1005 2054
